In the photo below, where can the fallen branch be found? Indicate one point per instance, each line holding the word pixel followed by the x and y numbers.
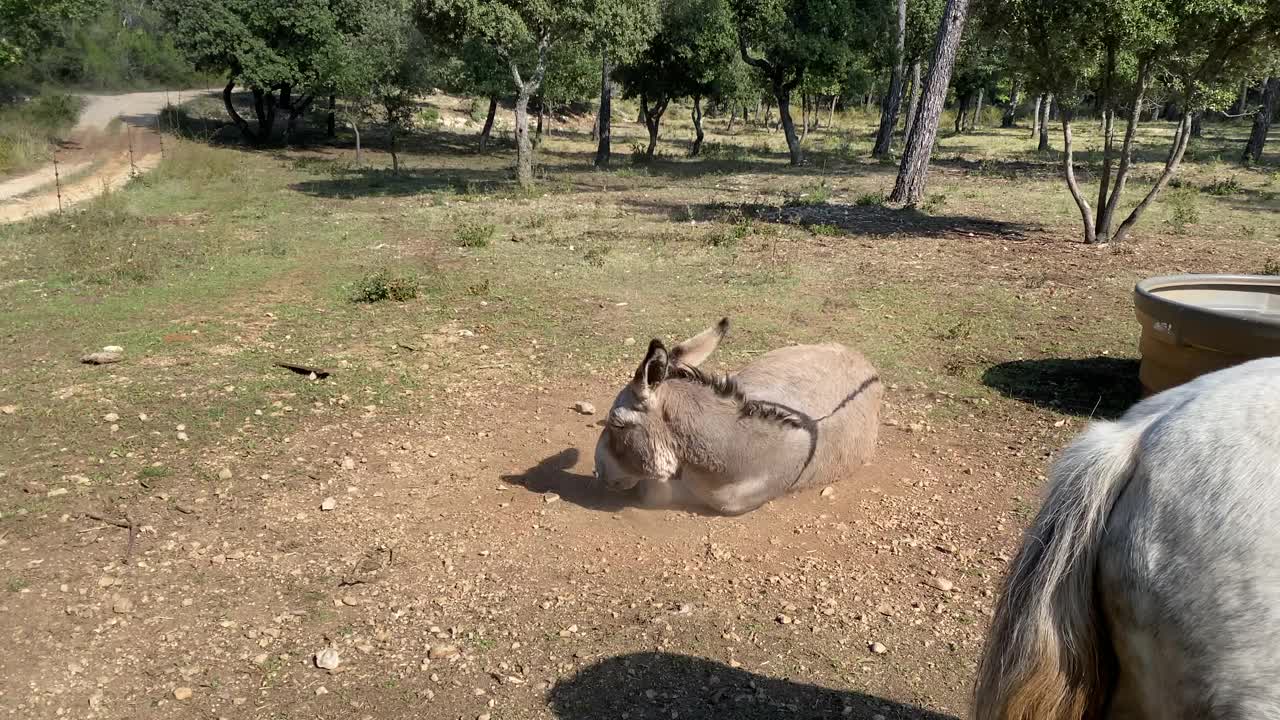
pixel 126 524
pixel 304 370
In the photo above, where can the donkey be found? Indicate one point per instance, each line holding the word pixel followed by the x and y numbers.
pixel 795 417
pixel 1148 586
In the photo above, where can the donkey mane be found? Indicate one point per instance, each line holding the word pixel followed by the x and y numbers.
pixel 726 387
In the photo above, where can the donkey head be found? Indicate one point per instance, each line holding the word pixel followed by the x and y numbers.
pixel 636 444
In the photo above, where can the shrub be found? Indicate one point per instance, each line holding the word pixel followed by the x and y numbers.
pixel 1182 208
pixel 1271 267
pixel 818 194
pixel 474 234
pixel 382 285
pixel 869 200
pixel 1225 186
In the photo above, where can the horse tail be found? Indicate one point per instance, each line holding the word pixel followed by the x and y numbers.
pixel 1047 656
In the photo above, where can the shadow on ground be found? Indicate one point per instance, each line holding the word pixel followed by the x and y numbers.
pixel 874 220
pixel 1101 387
pixel 654 685
pixel 555 475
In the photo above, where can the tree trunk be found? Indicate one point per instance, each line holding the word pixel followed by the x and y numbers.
pixel 914 170
pixel 1104 180
pixel 1010 115
pixel 733 115
pixel 391 147
pixel 831 117
pixel 356 129
pixel 524 148
pixel 977 111
pixel 264 107
pixel 768 110
pixel 788 126
pixel 1197 124
pixel 1180 141
pixel 1035 116
pixel 1044 123
pixel 1243 100
pixel 915 99
pixel 697 127
pixel 606 112
pixel 331 123
pixel 962 110
pixel 1107 213
pixel 1068 166
pixel 487 131
pixel 296 110
pixel 893 100
pixel 239 122
pixel 804 117
pixel 652 121
pixel 1262 121
pixel 542 106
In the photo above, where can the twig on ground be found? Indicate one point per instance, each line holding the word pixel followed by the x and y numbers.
pixel 126 524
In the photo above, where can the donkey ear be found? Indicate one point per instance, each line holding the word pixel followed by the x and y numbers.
pixel 654 368
pixel 697 348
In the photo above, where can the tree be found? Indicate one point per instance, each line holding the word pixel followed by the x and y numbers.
pixel 914 168
pixel 272 48
pixel 1113 53
pixel 785 39
pixel 1262 121
pixel 525 34
pixel 620 30
pixel 893 99
pixel 694 45
pixel 25 24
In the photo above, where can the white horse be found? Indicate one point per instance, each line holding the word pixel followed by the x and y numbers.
pixel 1148 587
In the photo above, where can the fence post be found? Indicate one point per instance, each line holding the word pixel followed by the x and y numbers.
pixel 57 180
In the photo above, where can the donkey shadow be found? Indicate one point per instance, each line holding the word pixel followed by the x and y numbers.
pixel 555 475
pixel 658 685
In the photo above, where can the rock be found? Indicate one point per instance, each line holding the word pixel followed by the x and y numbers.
pixel 8 409
pixel 443 652
pixel 182 436
pixel 182 693
pixel 916 427
pixel 260 659
pixel 348 463
pixel 328 504
pixel 34 488
pixel 484 716
pixel 629 342
pixel 95 700
pixel 878 648
pixel 224 474
pixel 328 659
pixel 56 492
pixel 102 358
pixel 828 491
pixel 106 581
pixel 350 601
pixel 885 609
pixel 584 407
pixel 322 690
pixel 550 498
pixel 113 349
pixel 111 417
pixel 942 584
pixel 785 619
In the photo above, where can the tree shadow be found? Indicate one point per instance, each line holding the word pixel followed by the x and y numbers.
pixel 351 183
pixel 1101 387
pixel 875 220
pixel 653 685
pixel 555 475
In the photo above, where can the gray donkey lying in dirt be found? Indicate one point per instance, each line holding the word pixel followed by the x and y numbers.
pixel 795 417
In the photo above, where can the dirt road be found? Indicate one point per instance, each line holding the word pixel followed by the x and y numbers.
pixel 93 159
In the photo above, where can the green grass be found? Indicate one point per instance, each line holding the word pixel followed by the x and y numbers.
pixel 29 130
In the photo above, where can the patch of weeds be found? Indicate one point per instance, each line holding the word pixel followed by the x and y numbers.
pixel 1222 186
pixel 428 117
pixel 933 203
pixel 538 221
pixel 153 471
pixel 640 154
pixel 383 285
pixel 480 289
pixel 595 255
pixel 824 230
pixel 474 234
pixel 724 151
pixel 1271 267
pixel 1183 211
pixel 814 195
pixel 16 584
pixel 871 199
pixel 479 110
